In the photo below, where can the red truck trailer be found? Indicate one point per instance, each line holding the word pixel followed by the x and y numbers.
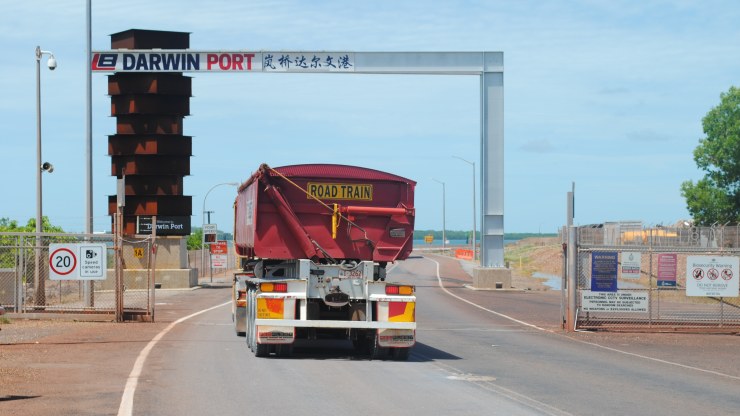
pixel 314 242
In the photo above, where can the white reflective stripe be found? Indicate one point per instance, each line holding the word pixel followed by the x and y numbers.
pixel 335 324
pixel 392 298
pixel 281 295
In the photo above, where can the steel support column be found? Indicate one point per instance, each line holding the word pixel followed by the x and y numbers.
pixel 492 163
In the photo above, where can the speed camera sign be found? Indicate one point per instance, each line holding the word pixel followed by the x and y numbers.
pixel 84 261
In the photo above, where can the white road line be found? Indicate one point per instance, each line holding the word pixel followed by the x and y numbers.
pixel 439 279
pixel 490 385
pixel 127 400
pixel 658 360
pixel 632 354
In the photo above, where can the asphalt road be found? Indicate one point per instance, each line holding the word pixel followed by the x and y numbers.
pixel 478 352
pixel 468 361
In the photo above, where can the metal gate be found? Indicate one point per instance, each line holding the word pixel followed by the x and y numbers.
pixel 665 278
pixel 25 286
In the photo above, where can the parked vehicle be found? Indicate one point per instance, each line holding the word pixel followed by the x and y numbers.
pixel 316 240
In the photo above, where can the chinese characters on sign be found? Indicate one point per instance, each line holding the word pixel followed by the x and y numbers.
pixel 307 62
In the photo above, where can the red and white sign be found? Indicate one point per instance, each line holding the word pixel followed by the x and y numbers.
pixel 219 248
pixel 712 276
pixel 62 263
pixel 84 261
pixel 219 255
pixel 219 261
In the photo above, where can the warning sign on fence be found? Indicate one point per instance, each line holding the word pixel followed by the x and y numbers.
pixel 631 264
pixel 712 276
pixel 621 301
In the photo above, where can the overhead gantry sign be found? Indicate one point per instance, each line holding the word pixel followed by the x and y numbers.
pixel 488 65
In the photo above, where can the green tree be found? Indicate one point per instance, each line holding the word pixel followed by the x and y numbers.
pixel 8 225
pixel 195 239
pixel 8 257
pixel 716 197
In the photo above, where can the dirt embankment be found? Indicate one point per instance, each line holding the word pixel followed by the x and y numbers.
pixel 531 255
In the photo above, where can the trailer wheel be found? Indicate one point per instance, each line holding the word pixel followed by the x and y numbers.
pixel 360 337
pixel 284 350
pixel 261 350
pixel 400 354
pixel 362 342
pixel 376 351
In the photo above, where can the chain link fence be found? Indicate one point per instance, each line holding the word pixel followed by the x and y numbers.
pixel 26 285
pixel 667 278
pixel 201 260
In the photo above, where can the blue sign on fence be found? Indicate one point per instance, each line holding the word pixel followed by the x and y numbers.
pixel 604 267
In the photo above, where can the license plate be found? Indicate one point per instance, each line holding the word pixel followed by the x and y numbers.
pixel 352 274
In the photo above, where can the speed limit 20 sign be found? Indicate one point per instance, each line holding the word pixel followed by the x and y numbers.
pixel 84 261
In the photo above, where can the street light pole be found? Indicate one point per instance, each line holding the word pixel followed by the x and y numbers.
pixel 203 240
pixel 89 286
pixel 444 227
pixel 474 213
pixel 40 296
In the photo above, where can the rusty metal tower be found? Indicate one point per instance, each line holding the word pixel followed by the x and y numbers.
pixel 149 147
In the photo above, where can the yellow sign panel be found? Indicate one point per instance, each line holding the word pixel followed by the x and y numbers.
pixel 428 239
pixel 138 252
pixel 358 192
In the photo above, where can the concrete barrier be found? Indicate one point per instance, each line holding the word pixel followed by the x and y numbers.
pixel 491 278
pixel 164 279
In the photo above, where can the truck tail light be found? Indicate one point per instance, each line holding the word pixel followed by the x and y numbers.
pixel 241 301
pixel 274 287
pixel 399 290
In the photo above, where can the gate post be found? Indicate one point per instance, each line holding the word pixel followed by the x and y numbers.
pixel 572 278
pixel 20 269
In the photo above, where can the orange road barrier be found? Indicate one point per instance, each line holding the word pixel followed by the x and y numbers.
pixel 464 254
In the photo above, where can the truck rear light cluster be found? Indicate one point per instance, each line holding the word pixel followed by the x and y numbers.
pixel 399 290
pixel 241 301
pixel 274 287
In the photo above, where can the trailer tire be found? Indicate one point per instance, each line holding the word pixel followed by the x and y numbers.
pixel 261 350
pixel 362 343
pixel 400 354
pixel 361 339
pixel 284 350
pixel 376 351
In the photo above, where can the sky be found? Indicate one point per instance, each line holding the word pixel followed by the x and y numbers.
pixel 608 95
